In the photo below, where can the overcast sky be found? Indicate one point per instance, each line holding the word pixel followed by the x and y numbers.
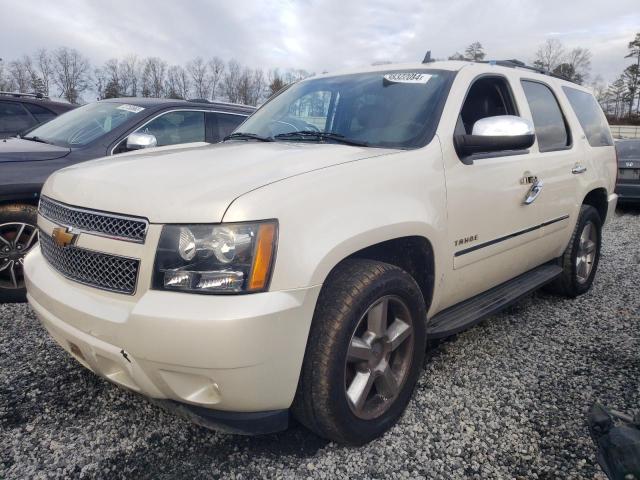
pixel 318 35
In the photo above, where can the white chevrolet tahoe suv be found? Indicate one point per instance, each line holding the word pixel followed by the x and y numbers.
pixel 301 266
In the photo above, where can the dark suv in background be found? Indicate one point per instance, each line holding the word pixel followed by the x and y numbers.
pixel 99 129
pixel 628 185
pixel 21 111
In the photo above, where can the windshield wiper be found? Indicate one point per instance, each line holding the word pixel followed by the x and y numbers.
pixel 36 139
pixel 336 137
pixel 247 136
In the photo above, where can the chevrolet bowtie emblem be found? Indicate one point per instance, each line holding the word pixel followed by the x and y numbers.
pixel 63 237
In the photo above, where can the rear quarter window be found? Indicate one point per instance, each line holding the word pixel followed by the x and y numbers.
pixel 591 118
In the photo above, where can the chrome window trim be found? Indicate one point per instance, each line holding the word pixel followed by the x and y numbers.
pixel 96 212
pixel 117 142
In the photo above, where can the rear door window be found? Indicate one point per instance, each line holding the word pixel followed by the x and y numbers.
pixel 551 128
pixel 590 116
pixel 14 118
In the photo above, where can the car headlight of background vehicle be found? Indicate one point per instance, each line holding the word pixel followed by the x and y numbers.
pixel 222 258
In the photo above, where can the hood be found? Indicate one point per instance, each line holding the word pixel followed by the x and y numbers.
pixel 192 185
pixel 20 150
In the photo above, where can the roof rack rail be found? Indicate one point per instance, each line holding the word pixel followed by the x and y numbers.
pixel 513 63
pixel 19 94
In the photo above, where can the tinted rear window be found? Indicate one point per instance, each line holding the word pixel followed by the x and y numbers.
pixel 628 149
pixel 590 116
pixel 548 120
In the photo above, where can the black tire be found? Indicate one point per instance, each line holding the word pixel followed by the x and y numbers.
pixel 570 283
pixel 11 216
pixel 351 290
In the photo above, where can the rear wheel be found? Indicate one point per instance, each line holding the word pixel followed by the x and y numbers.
pixel 364 354
pixel 18 235
pixel 580 259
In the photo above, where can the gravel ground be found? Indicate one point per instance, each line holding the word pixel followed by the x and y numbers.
pixel 503 400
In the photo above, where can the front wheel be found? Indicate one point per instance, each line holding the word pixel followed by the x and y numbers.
pixel 364 353
pixel 580 260
pixel 18 235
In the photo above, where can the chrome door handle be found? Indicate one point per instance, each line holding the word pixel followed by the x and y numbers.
pixel 533 192
pixel 578 169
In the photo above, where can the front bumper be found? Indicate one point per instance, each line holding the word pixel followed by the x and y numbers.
pixel 225 353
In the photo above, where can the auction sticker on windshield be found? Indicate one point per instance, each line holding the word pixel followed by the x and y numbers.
pixel 407 77
pixel 130 108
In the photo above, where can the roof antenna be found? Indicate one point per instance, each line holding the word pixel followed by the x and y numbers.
pixel 427 58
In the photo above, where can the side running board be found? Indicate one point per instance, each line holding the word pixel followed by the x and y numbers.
pixel 465 314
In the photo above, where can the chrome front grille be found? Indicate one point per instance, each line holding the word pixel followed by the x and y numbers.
pixel 132 229
pixel 96 269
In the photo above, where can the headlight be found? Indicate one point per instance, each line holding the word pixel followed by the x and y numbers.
pixel 225 258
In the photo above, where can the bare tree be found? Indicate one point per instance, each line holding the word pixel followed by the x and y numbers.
pixel 99 80
pixel 579 60
pixel 216 74
pixel 276 83
pixel 153 77
pixel 70 70
pixel 45 69
pixel 199 73
pixel 178 83
pixel 474 52
pixel 5 82
pixel 549 55
pixel 130 75
pixel 231 81
pixel 457 56
pixel 258 86
pixel 19 71
pixel 617 92
pixel 112 71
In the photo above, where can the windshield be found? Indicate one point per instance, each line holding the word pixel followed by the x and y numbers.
pixel 393 109
pixel 83 125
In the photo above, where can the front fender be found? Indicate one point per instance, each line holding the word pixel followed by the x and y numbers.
pixel 328 214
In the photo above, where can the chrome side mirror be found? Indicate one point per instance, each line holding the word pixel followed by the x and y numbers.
pixel 503 126
pixel 137 141
pixel 502 133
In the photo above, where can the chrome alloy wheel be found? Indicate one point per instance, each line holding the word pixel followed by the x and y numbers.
pixel 587 251
pixel 16 239
pixel 379 357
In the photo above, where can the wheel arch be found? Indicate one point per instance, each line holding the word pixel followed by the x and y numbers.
pixel 597 198
pixel 412 253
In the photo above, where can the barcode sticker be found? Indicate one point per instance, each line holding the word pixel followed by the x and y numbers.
pixel 408 77
pixel 130 108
